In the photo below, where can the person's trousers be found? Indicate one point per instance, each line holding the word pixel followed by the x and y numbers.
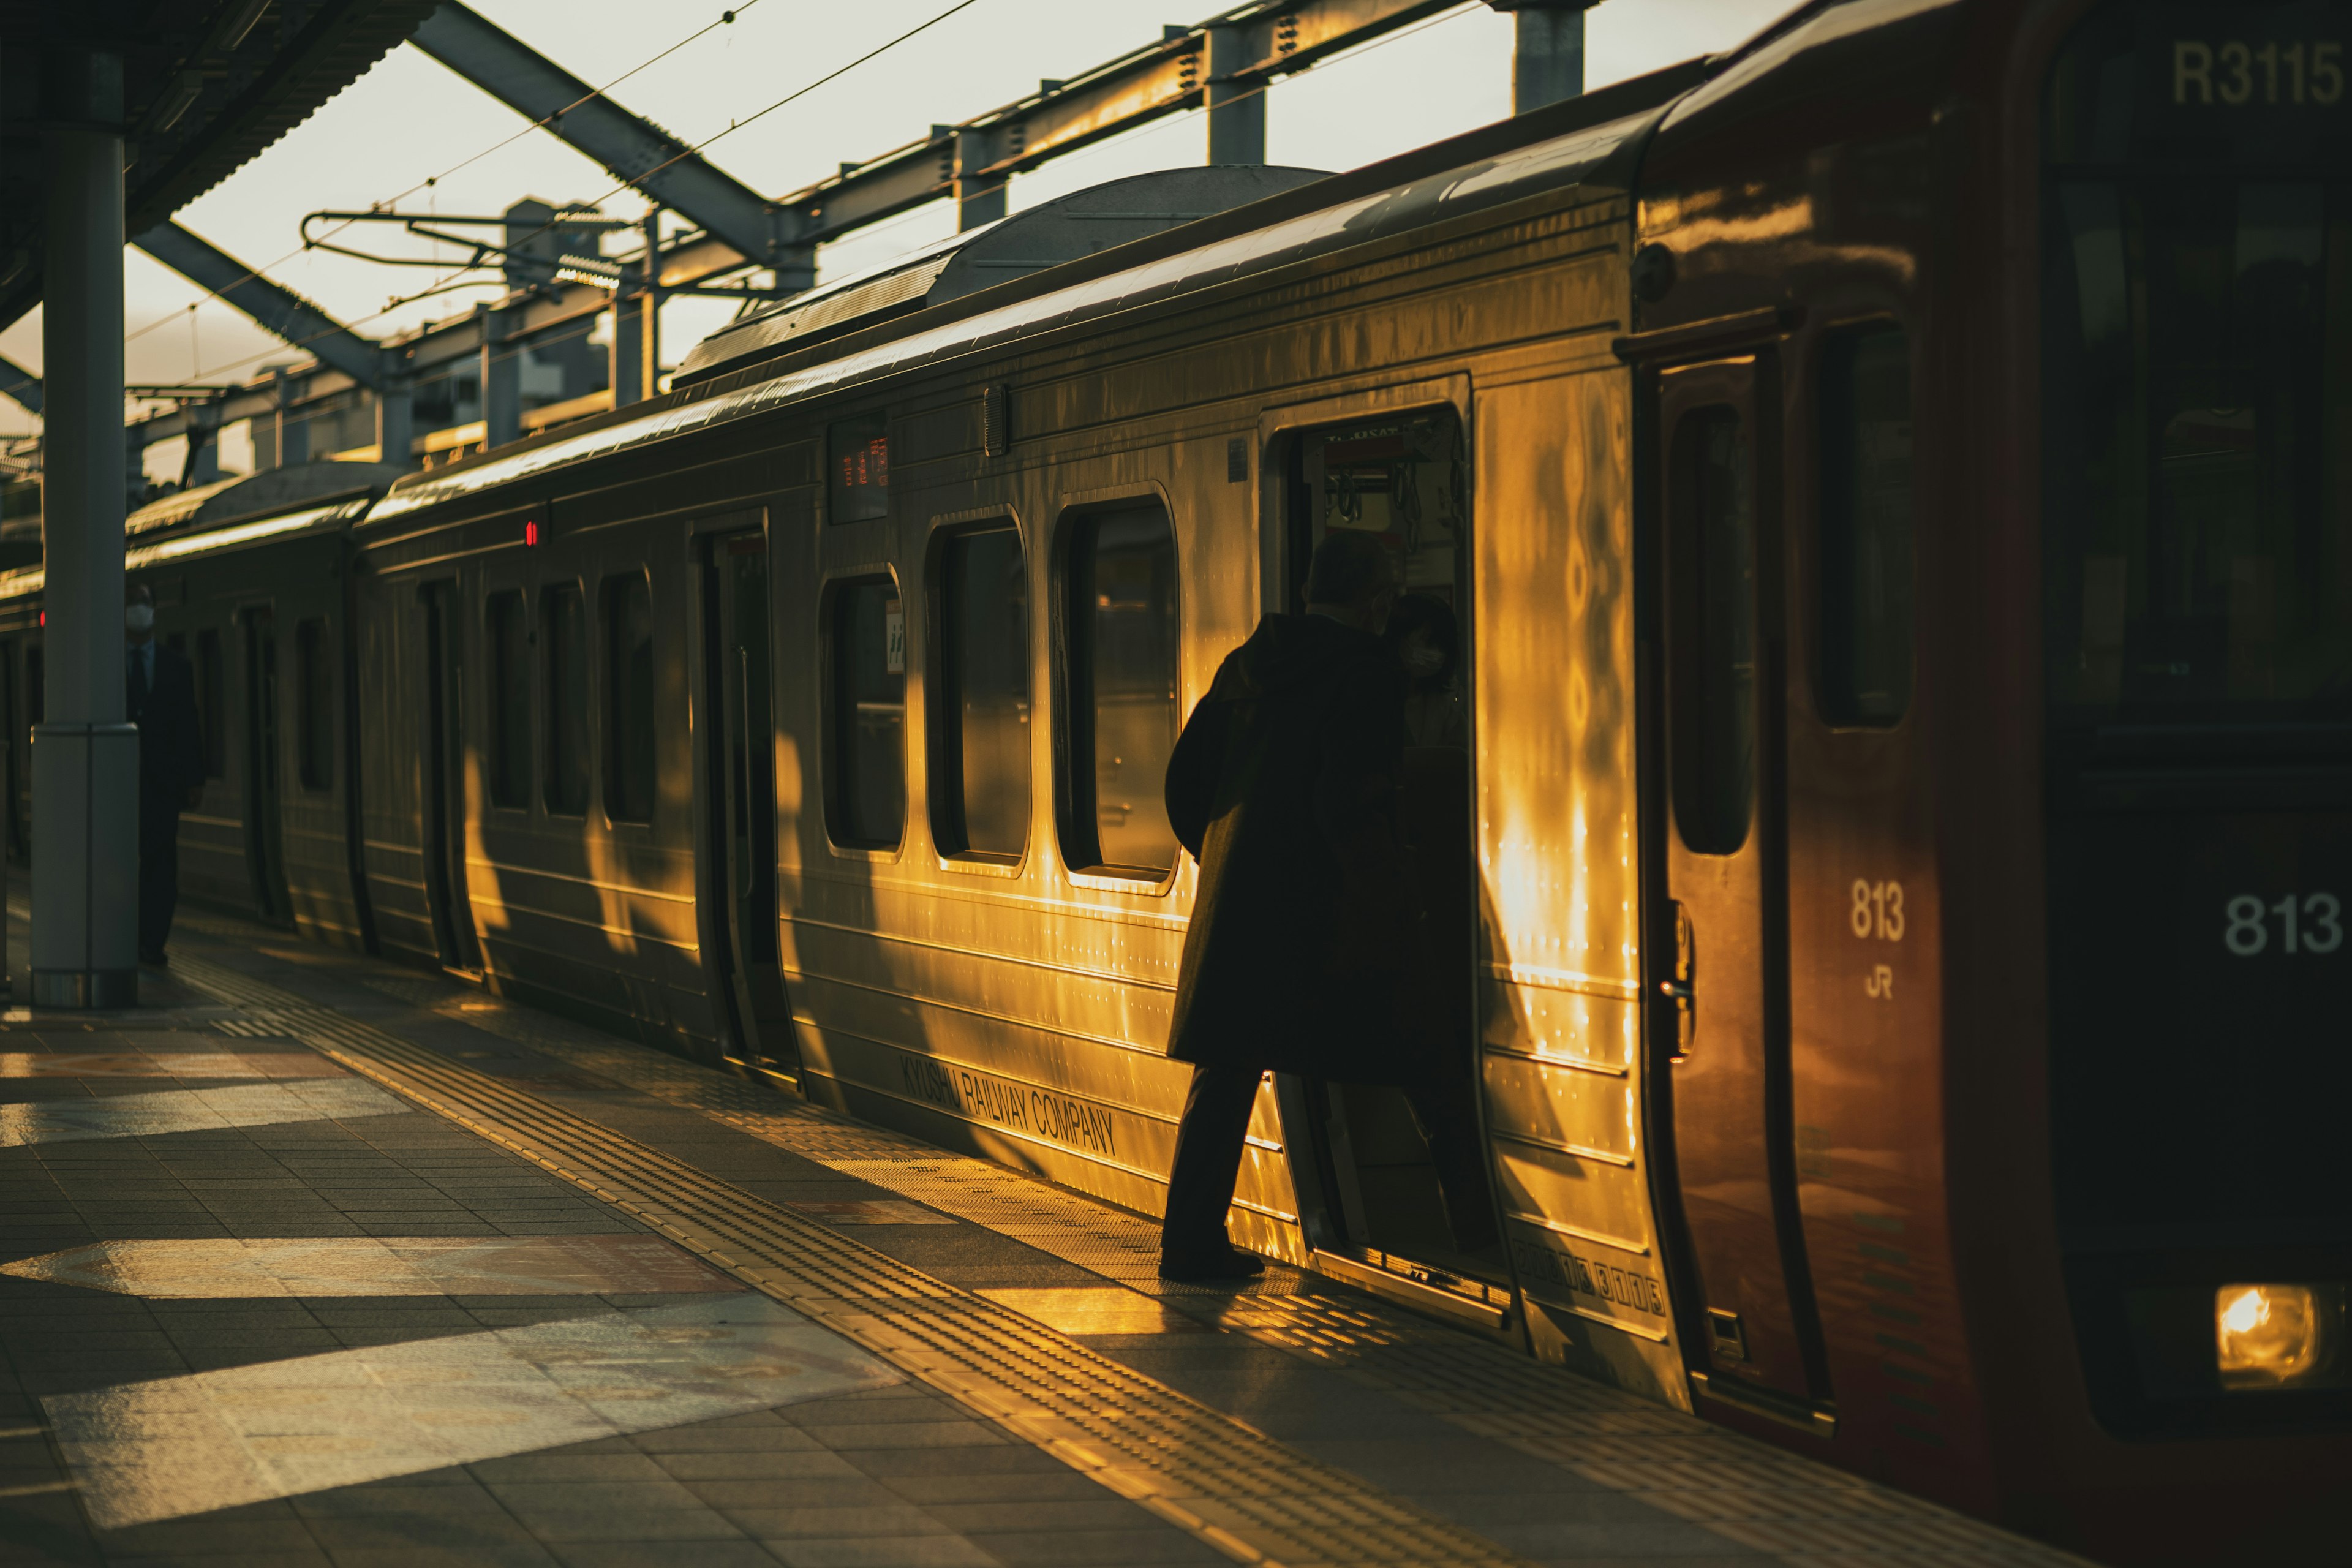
pixel 159 868
pixel 1209 1141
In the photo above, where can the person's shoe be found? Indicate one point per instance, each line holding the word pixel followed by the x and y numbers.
pixel 154 958
pixel 1232 1263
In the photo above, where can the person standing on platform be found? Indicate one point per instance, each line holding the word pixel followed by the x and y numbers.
pixel 161 698
pixel 1284 787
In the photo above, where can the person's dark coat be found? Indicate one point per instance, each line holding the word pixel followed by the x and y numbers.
pixel 171 729
pixel 1284 784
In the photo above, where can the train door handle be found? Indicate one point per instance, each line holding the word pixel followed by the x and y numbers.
pixel 1681 988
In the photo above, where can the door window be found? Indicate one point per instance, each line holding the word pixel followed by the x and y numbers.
pixel 510 731
pixel 1711 570
pixel 1120 653
pixel 867 798
pixel 563 618
pixel 629 755
pixel 314 712
pixel 979 762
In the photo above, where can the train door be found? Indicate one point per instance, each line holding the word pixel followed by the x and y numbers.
pixel 741 854
pixel 445 779
pixel 1398 1173
pixel 264 810
pixel 1719 933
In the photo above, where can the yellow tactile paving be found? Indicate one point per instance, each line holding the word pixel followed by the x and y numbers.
pixel 1229 1484
pixel 1809 1515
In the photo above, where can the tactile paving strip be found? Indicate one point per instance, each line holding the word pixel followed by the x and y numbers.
pixel 1227 1483
pixel 1076 1230
pixel 1744 1490
pixel 1808 1514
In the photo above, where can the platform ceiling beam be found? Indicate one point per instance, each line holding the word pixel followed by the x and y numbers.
pixel 20 384
pixel 649 159
pixel 1254 46
pixel 278 310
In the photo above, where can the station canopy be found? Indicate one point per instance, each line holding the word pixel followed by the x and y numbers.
pixel 203 87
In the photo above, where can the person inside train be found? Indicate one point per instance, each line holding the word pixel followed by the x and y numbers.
pixel 1423 634
pixel 160 697
pixel 1435 821
pixel 1284 787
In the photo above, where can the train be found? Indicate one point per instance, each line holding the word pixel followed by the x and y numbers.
pixel 1893 485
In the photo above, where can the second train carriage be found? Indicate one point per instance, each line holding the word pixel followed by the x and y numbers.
pixel 813 717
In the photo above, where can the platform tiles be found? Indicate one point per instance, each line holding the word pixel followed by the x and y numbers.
pixel 565 1300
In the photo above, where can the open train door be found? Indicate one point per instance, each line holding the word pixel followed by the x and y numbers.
pixel 1718 931
pixel 740 854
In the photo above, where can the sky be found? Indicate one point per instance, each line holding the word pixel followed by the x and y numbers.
pixel 411 121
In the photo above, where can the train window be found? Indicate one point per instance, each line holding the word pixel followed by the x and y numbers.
pixel 1119 648
pixel 209 707
pixel 2196 387
pixel 865 798
pixel 980 743
pixel 510 727
pixel 314 709
pixel 859 454
pixel 628 607
pixel 1711 532
pixel 1866 537
pixel 563 622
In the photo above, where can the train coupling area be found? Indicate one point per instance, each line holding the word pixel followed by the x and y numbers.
pixel 317 1260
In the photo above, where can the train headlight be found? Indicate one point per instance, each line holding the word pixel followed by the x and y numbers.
pixel 2267 1336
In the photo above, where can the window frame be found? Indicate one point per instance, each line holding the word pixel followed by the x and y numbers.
pixel 942 726
pixel 830 591
pixel 552 708
pixel 610 761
pixel 1078 511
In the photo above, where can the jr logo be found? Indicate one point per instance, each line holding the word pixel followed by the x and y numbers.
pixel 1880 985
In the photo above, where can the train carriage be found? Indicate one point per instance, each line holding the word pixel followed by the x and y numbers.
pixel 1890 481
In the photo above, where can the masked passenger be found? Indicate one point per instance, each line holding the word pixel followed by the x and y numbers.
pixel 1422 632
pixel 1284 785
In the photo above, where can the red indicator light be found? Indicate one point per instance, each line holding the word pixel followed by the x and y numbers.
pixel 45 617
pixel 530 534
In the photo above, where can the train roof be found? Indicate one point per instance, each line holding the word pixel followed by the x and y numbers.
pixel 1586 140
pixel 1068 228
pixel 163 547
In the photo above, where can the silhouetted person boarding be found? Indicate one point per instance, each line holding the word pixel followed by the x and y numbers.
pixel 1284 785
pixel 161 698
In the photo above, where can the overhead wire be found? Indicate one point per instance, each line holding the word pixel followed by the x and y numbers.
pixel 726 17
pixel 1189 116
pixel 450 279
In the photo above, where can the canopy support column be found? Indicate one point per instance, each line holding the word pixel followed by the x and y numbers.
pixel 85 757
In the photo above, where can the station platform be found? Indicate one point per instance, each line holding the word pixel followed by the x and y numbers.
pixel 317 1260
